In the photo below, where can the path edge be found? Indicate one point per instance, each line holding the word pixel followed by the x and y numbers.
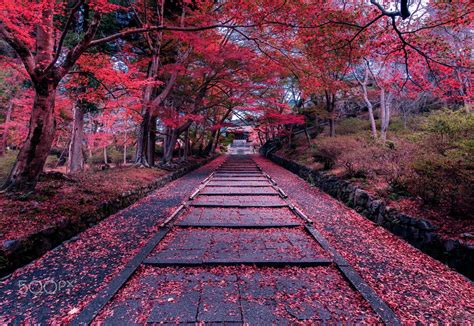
pixel 20 252
pixel 417 232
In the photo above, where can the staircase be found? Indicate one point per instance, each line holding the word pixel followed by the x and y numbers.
pixel 240 147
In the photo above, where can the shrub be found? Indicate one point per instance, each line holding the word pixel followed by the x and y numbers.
pixel 6 164
pixel 326 155
pixel 96 158
pixel 446 181
pixel 52 161
pixel 448 129
pixel 352 126
pixel 115 156
pixel 328 150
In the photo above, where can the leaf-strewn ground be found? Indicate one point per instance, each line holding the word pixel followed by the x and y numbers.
pixel 56 199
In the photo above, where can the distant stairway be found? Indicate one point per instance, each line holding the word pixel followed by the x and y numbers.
pixel 240 147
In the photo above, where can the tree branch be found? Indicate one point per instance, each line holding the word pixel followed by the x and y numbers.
pixel 63 35
pixel 21 49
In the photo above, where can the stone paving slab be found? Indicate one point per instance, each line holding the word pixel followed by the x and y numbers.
pixel 238 191
pixel 238 170
pixel 239 179
pixel 239 201
pixel 239 295
pixel 203 246
pixel 245 183
pixel 238 216
pixel 238 175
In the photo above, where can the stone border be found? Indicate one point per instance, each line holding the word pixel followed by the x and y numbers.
pixel 418 232
pixel 19 252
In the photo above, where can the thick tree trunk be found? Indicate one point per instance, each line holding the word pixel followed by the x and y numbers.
pixel 3 141
pixel 143 135
pixel 34 152
pixel 142 139
pixel 76 155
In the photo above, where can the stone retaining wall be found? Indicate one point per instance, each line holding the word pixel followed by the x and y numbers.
pixel 418 232
pixel 18 252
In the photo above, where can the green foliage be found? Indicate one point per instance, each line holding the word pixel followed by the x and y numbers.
pixel 435 162
pixel 52 161
pixel 450 125
pixel 229 138
pixel 96 158
pixel 6 164
pixel 352 126
pixel 396 125
pixel 114 156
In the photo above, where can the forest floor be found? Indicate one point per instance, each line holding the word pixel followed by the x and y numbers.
pixel 375 166
pixel 58 197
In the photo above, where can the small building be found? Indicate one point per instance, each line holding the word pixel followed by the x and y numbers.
pixel 241 145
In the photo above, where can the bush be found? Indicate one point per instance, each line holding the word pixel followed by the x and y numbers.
pixel 352 126
pixel 52 161
pixel 115 156
pixel 6 164
pixel 328 150
pixel 448 129
pixel 96 158
pixel 327 156
pixel 434 163
pixel 446 181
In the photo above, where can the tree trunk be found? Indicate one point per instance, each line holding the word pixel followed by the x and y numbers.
pixel 215 141
pixel 106 159
pixel 370 107
pixel 151 141
pixel 125 149
pixel 143 135
pixel 142 138
pixel 170 140
pixel 3 141
pixel 186 146
pixel 308 138
pixel 76 156
pixel 385 102
pixel 330 107
pixel 34 151
pixel 210 144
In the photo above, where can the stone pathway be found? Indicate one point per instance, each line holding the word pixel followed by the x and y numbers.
pixel 238 252
pixel 225 244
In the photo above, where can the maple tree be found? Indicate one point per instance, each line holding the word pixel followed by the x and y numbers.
pixel 191 67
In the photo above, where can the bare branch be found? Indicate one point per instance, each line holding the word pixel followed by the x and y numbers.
pixel 403 12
